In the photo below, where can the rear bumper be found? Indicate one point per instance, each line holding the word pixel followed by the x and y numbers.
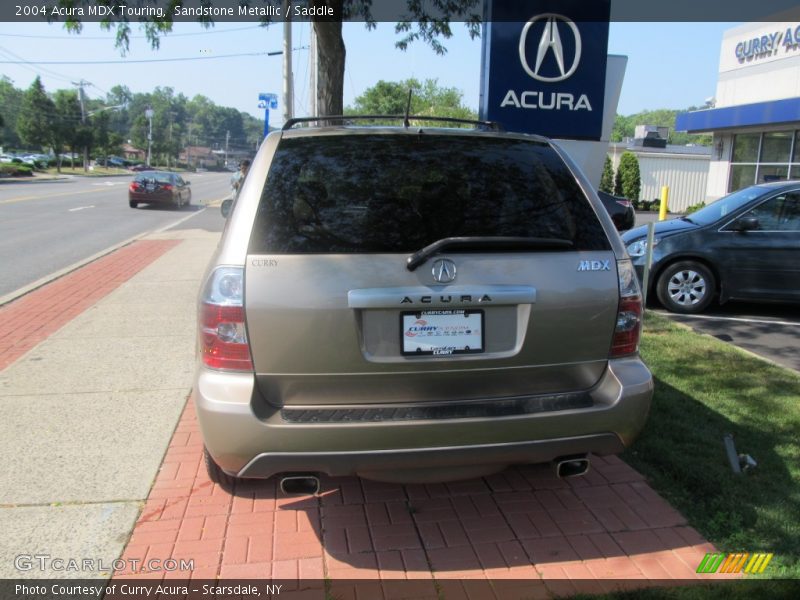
pixel 267 464
pixel 152 198
pixel 247 444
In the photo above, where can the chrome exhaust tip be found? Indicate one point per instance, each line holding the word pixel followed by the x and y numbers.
pixel 306 485
pixel 571 466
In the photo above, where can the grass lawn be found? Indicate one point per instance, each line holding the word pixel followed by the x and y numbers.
pixel 705 389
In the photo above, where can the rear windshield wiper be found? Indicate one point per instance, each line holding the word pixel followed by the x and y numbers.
pixel 483 244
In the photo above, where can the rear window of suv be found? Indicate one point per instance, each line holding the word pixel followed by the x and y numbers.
pixel 392 193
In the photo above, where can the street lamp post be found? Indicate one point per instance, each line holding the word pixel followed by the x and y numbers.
pixel 149 114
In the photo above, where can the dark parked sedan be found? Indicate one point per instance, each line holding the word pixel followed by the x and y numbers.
pixel 620 209
pixel 159 187
pixel 743 246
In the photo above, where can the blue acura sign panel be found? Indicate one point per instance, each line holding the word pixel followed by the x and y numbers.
pixel 544 66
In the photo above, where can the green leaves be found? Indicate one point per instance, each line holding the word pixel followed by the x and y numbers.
pixel 428 98
pixel 628 181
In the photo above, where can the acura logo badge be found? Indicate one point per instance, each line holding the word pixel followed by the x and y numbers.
pixel 550 42
pixel 444 270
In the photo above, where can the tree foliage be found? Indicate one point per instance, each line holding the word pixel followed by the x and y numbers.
pixel 607 179
pixel 66 128
pixel 10 104
pixel 35 120
pixel 37 116
pixel 427 98
pixel 628 182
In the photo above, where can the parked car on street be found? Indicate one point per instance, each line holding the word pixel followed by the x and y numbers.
pixel 414 303
pixel 620 209
pixel 159 187
pixel 745 246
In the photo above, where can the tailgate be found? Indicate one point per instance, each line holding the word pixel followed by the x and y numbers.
pixel 334 329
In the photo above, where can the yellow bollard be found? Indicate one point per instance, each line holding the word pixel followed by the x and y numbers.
pixel 662 211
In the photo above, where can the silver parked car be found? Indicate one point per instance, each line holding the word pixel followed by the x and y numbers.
pixel 415 304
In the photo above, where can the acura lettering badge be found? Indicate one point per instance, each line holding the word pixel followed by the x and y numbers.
pixel 444 270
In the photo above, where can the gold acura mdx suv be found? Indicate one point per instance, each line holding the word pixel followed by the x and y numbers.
pixel 416 303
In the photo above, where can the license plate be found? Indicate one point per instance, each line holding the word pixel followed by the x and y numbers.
pixel 441 332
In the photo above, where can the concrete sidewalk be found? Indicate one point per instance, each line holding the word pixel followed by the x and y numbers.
pixel 85 415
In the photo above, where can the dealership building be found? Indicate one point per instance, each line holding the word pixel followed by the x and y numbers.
pixel 755 115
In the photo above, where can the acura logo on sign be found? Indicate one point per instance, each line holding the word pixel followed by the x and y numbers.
pixel 550 44
pixel 444 270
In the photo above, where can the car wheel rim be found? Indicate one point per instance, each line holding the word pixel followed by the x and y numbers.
pixel 687 288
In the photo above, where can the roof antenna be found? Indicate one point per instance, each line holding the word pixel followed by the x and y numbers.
pixel 406 124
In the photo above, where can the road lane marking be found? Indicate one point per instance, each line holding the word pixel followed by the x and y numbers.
pixel 737 319
pixel 81 208
pixel 24 198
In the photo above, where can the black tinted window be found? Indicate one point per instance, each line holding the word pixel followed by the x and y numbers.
pixel 399 193
pixel 152 177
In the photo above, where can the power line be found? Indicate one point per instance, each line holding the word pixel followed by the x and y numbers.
pixel 149 60
pixel 6 53
pixel 111 37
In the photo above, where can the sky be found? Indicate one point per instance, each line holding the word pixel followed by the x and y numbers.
pixel 670 65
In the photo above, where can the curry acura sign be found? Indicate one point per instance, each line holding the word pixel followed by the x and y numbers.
pixel 544 66
pixel 769 44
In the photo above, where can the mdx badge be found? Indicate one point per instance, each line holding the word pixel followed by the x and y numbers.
pixel 594 265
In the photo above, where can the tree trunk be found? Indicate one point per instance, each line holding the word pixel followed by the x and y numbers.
pixel 330 64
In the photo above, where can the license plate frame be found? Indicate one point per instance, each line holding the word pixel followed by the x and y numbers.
pixel 444 319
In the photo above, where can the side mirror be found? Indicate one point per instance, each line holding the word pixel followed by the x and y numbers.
pixel 225 207
pixel 746 224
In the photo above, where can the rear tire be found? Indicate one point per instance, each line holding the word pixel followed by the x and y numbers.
pixel 133 203
pixel 686 287
pixel 216 474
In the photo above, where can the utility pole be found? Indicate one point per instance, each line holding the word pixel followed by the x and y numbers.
pixel 227 139
pixel 149 114
pixel 81 99
pixel 312 69
pixel 288 100
pixel 171 115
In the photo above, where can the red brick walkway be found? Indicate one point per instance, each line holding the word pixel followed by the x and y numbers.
pixel 29 320
pixel 522 524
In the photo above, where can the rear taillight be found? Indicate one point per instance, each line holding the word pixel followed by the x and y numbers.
pixel 629 314
pixel 223 336
pixel 134 187
pixel 167 187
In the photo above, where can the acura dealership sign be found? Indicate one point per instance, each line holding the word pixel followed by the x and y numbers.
pixel 544 66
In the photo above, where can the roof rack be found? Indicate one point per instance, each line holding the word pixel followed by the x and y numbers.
pixel 405 119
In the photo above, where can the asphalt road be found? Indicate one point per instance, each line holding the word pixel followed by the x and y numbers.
pixel 769 330
pixel 48 226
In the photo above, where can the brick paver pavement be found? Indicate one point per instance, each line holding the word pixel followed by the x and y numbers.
pixel 521 525
pixel 29 320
